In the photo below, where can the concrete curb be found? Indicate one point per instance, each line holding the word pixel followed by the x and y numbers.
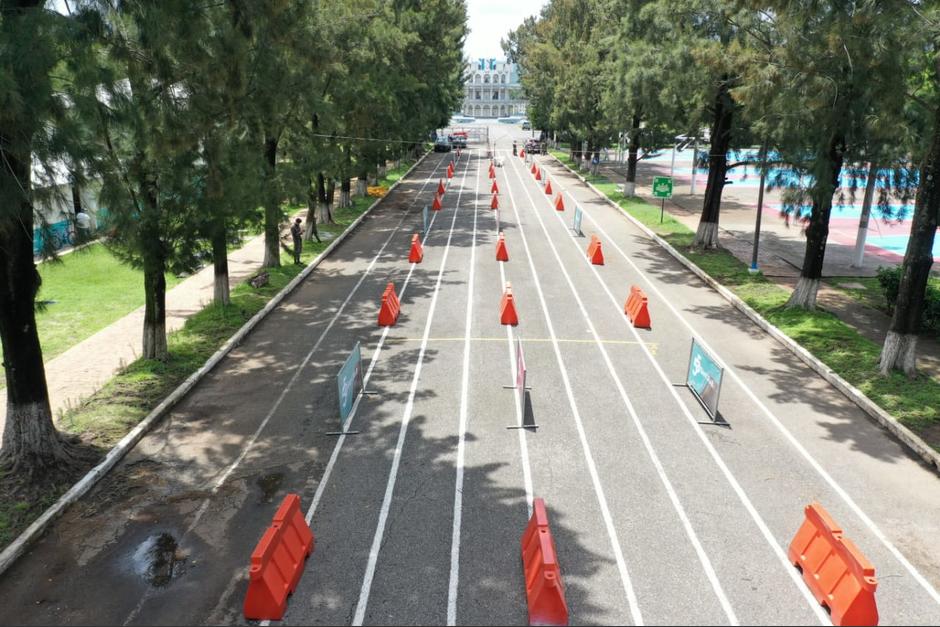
pixel 16 548
pixel 910 439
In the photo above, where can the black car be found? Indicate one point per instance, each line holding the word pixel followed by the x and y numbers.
pixel 441 144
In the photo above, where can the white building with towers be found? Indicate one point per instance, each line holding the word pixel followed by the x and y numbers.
pixel 492 90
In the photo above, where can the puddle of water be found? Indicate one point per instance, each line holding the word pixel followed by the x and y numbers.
pixel 159 559
pixel 269 485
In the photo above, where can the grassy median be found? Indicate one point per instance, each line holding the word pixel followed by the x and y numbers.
pixel 914 402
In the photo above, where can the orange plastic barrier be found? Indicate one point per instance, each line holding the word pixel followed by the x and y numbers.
pixel 522 154
pixel 494 204
pixel 594 252
pixel 450 171
pixel 637 307
pixel 836 572
pixel 495 188
pixel 440 187
pixel 277 563
pixel 436 205
pixel 559 202
pixel 535 168
pixel 507 308
pixel 538 174
pixel 548 187
pixel 391 307
pixel 417 252
pixel 502 253
pixel 492 172
pixel 544 589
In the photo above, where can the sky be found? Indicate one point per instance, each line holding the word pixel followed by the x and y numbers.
pixel 491 20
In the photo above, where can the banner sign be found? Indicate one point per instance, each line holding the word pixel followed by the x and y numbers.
pixel 349 382
pixel 577 220
pixel 704 378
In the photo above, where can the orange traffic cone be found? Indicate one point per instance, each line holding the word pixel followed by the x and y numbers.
pixel 507 308
pixel 450 171
pixel 522 154
pixel 502 253
pixel 594 252
pixel 417 253
pixel 538 174
pixel 494 204
pixel 495 188
pixel 534 168
pixel 436 206
pixel 559 202
pixel 492 172
pixel 440 187
pixel 548 188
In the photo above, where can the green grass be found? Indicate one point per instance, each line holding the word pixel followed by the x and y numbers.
pixel 104 418
pixel 914 402
pixel 83 293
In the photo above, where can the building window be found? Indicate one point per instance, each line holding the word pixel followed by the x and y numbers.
pixel 486 79
pixel 476 79
pixel 478 94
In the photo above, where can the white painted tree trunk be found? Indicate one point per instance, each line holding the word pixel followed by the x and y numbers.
pixel 323 213
pixel 804 296
pixel 361 187
pixel 629 189
pixel 220 291
pixel 707 235
pixel 344 200
pixel 155 340
pixel 899 352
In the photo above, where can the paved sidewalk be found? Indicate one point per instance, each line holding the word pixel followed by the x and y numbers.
pixel 81 370
pixel 780 254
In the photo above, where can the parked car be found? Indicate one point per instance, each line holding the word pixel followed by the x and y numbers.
pixel 459 140
pixel 526 126
pixel 532 146
pixel 442 144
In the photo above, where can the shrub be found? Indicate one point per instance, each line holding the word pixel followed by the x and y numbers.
pixel 890 281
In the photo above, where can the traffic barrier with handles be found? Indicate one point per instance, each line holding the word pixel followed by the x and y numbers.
pixel 637 308
pixel 836 572
pixel 544 589
pixel 391 307
pixel 548 188
pixel 559 202
pixel 494 204
pixel 417 252
pixel 594 252
pixel 440 187
pixel 507 308
pixel 502 253
pixel 495 188
pixel 436 205
pixel 277 563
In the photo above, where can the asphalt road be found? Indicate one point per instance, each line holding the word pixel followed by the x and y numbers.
pixel 657 518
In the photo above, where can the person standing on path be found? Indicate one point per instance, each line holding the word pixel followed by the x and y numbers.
pixel 297 233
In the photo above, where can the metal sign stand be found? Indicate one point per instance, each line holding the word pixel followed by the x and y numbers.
pixel 354 360
pixel 716 418
pixel 521 386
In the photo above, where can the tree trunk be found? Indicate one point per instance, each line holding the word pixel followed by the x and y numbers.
pixel 31 443
pixel 330 198
pixel 707 234
pixel 272 207
pixel 220 262
pixel 859 257
pixel 322 210
pixel 629 188
pixel 900 347
pixel 311 233
pixel 380 171
pixel 153 254
pixel 345 198
pixel 804 296
pixel 362 183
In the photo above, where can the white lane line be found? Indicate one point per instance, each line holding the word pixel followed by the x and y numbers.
pixel 366 588
pixel 589 458
pixel 838 489
pixel 647 443
pixel 729 476
pixel 462 427
pixel 204 506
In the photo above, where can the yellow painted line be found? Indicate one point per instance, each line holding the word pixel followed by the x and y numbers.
pixel 526 339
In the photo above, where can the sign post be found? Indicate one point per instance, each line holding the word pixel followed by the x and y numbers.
pixel 662 188
pixel 576 225
pixel 350 384
pixel 520 386
pixel 704 378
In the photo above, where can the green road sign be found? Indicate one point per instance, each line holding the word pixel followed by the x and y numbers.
pixel 662 187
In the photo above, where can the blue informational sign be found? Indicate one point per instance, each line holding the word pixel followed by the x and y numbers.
pixel 576 226
pixel 424 217
pixel 704 378
pixel 349 383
